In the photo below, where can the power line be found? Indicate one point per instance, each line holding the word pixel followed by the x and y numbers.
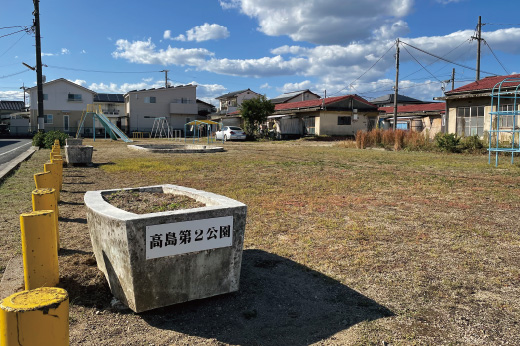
pixel 487 44
pixel 13 74
pixel 98 71
pixel 364 73
pixel 441 58
pixel 14 33
pixel 14 44
pixel 421 64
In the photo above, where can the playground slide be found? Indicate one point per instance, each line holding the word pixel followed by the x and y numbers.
pixel 111 128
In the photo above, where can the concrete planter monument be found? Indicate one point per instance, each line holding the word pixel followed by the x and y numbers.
pixel 79 154
pixel 73 141
pixel 159 259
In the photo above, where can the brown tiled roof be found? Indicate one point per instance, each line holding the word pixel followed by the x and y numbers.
pixel 427 107
pixel 319 102
pixel 486 84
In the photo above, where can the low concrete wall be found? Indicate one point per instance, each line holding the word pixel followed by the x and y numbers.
pixel 79 154
pixel 143 274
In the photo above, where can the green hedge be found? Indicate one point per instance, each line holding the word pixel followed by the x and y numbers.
pixel 46 139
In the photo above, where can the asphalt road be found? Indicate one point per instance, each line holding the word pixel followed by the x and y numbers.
pixel 11 148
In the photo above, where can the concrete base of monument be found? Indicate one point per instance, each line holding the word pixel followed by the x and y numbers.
pixel 176 148
pixel 79 154
pixel 164 258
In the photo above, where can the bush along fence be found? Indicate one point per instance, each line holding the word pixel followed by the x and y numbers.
pixel 417 141
pixel 40 314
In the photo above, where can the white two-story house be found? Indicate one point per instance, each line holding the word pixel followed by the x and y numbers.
pixel 63 105
pixel 177 104
pixel 230 102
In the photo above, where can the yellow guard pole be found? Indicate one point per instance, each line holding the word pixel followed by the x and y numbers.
pixel 40 255
pixel 54 169
pixel 58 159
pixel 45 199
pixel 44 180
pixel 36 317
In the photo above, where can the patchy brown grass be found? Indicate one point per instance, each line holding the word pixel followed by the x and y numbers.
pixel 431 237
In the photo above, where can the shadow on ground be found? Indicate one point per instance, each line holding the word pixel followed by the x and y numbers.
pixel 279 302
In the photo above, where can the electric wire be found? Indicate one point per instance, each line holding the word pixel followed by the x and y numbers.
pixel 364 73
pixel 492 52
pixel 14 44
pixel 417 61
pixel 97 71
pixel 14 74
pixel 13 33
pixel 441 58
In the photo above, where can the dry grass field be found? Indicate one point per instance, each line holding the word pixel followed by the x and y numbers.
pixel 342 246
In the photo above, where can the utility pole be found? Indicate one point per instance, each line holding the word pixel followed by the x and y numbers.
pixel 165 77
pixel 396 87
pixel 479 40
pixel 453 79
pixel 39 80
pixel 23 88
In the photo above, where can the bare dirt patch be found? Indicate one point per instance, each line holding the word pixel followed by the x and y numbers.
pixel 143 202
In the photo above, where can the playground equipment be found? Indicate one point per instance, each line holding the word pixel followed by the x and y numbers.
pixel 160 128
pixel 503 123
pixel 198 127
pixel 110 128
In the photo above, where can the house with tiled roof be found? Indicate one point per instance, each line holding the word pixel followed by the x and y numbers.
pixel 295 96
pixel 334 116
pixel 388 100
pixel 422 117
pixel 230 102
pixel 469 106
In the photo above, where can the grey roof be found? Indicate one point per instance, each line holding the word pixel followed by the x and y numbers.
pixel 234 93
pixel 287 96
pixel 389 98
pixel 11 105
pixel 115 98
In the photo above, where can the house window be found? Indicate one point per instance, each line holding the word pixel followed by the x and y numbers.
pixel 344 120
pixel 65 123
pixel 506 120
pixel 74 97
pixel 310 125
pixel 48 119
pixel 45 97
pixel 150 99
pixel 470 121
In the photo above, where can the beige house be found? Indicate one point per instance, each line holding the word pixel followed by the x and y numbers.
pixel 177 104
pixel 333 116
pixel 427 117
pixel 63 105
pixel 230 102
pixel 469 107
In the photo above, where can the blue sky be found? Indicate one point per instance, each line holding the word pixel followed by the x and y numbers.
pixel 269 46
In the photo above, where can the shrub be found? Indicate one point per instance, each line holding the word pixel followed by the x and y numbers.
pixel 448 142
pixel 38 138
pixel 46 140
pixel 471 144
pixel 388 138
pixel 399 139
pixel 361 139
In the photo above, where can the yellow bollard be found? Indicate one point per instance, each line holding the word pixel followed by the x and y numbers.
pixel 58 159
pixel 54 169
pixel 36 317
pixel 40 255
pixel 44 180
pixel 45 199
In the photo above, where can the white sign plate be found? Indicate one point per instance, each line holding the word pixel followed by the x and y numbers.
pixel 188 236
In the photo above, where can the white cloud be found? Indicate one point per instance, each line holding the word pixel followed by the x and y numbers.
pixel 201 33
pixel 148 80
pixel 288 87
pixel 11 95
pixel 265 86
pixel 144 52
pixel 79 82
pixel 65 51
pixel 325 21
pixel 48 54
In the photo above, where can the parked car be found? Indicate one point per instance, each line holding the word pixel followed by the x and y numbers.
pixel 229 133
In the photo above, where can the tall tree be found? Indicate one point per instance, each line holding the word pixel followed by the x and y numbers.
pixel 255 112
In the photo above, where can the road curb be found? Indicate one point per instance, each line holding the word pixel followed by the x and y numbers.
pixel 16 161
